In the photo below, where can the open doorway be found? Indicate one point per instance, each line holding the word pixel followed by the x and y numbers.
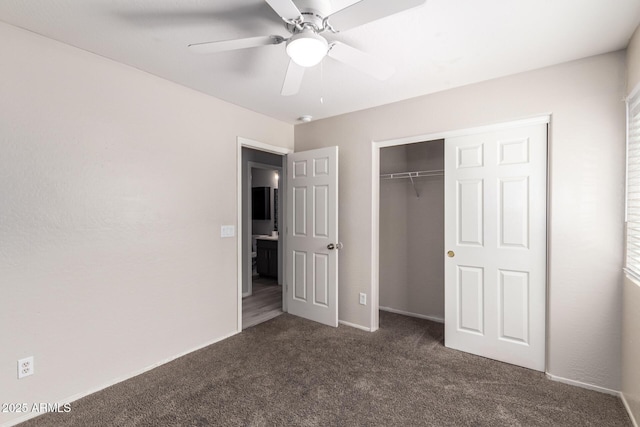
pixel 308 187
pixel 262 299
pixel 262 245
pixel 412 229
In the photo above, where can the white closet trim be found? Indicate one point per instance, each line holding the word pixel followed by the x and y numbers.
pixel 546 118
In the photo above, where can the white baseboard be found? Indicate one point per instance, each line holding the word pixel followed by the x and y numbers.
pixel 598 389
pixel 353 325
pixel 628 408
pixel 583 385
pixel 406 313
pixel 115 381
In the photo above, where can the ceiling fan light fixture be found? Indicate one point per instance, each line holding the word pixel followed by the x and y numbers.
pixel 307 48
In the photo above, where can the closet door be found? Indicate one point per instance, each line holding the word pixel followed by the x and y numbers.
pixel 495 238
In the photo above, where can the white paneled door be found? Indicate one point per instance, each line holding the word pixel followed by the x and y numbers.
pixel 495 243
pixel 312 235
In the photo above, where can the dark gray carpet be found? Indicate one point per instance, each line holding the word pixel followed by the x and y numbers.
pixel 293 372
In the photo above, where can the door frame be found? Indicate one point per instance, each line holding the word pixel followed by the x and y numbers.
pixel 273 149
pixel 375 200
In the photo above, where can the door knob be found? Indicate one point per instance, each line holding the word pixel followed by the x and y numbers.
pixel 332 246
pixel 451 254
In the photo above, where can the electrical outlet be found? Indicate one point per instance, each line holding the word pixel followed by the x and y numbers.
pixel 363 298
pixel 25 367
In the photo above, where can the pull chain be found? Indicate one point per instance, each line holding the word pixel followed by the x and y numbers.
pixel 321 82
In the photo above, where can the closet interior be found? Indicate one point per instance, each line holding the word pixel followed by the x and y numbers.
pixel 412 229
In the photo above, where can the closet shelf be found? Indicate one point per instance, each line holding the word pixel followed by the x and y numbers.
pixel 411 175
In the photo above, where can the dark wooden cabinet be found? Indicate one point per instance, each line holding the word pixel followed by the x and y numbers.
pixel 267 258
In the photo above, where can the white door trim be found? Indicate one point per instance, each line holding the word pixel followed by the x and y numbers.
pixel 375 191
pixel 260 146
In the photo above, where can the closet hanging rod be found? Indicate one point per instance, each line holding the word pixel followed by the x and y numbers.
pixel 411 175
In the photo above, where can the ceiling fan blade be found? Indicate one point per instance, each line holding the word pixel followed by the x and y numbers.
pixel 360 60
pixel 285 8
pixel 293 79
pixel 222 46
pixel 369 10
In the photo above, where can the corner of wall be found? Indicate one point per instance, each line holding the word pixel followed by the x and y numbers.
pixel 633 61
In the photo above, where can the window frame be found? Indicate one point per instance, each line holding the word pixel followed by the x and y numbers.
pixel 632 103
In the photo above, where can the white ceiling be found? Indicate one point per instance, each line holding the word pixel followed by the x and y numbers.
pixel 440 45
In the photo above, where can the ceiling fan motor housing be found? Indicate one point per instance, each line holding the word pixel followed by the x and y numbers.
pixel 313 15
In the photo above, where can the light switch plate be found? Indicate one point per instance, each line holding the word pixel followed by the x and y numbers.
pixel 227 231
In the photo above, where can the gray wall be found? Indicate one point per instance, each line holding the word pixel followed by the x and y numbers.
pixel 426 231
pixel 412 231
pixel 394 260
pixel 587 144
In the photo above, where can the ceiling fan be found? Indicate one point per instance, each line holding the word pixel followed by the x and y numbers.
pixel 307 47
